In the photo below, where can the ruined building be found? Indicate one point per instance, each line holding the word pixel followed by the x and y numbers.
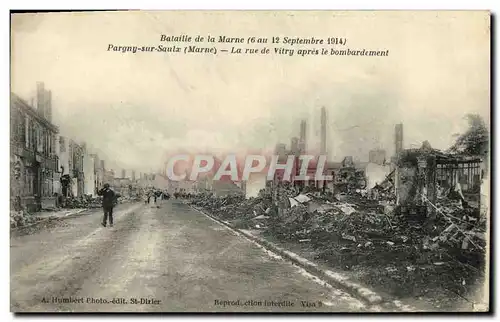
pixel 32 151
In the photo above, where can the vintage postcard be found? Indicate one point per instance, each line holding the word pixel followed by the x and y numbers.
pixel 250 161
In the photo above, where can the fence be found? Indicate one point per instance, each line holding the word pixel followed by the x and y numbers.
pixel 467 173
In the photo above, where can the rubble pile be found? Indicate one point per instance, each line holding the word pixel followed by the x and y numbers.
pixel 289 224
pixel 358 233
pixel 87 202
pixel 216 204
pixel 447 249
pixel 127 199
pixel 21 218
pixel 352 234
pixel 90 202
pixel 332 228
pixel 241 212
pixel 355 228
pixel 460 229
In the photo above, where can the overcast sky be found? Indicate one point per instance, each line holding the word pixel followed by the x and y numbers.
pixel 136 107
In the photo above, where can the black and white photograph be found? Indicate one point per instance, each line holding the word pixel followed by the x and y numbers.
pixel 250 161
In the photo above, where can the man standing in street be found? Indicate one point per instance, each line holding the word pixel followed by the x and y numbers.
pixel 158 198
pixel 108 202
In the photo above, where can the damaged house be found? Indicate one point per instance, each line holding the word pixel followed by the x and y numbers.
pixel 350 176
pixel 426 174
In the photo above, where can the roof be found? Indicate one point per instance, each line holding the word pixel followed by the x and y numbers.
pixel 441 157
pixel 19 102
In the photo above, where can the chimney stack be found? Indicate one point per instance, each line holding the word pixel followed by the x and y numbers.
pixel 302 140
pixel 398 139
pixel 48 106
pixel 40 98
pixel 43 101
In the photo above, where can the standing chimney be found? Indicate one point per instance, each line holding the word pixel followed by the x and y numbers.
pixel 323 131
pixel 302 142
pixel 48 106
pixel 40 98
pixel 398 139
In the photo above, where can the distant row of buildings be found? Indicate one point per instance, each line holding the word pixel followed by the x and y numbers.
pixel 46 165
pixel 409 174
pixel 346 174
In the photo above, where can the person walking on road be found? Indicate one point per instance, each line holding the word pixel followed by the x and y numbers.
pixel 158 198
pixel 108 203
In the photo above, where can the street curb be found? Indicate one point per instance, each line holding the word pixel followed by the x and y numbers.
pixel 363 293
pixel 331 277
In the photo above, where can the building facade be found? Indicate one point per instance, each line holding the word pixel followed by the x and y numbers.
pixel 109 176
pixel 154 180
pixel 77 153
pixel 99 173
pixel 63 179
pixel 89 174
pixel 123 186
pixel 32 153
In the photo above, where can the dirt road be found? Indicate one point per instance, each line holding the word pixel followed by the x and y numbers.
pixel 167 259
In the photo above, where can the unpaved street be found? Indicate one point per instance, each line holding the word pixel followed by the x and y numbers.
pixel 168 259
